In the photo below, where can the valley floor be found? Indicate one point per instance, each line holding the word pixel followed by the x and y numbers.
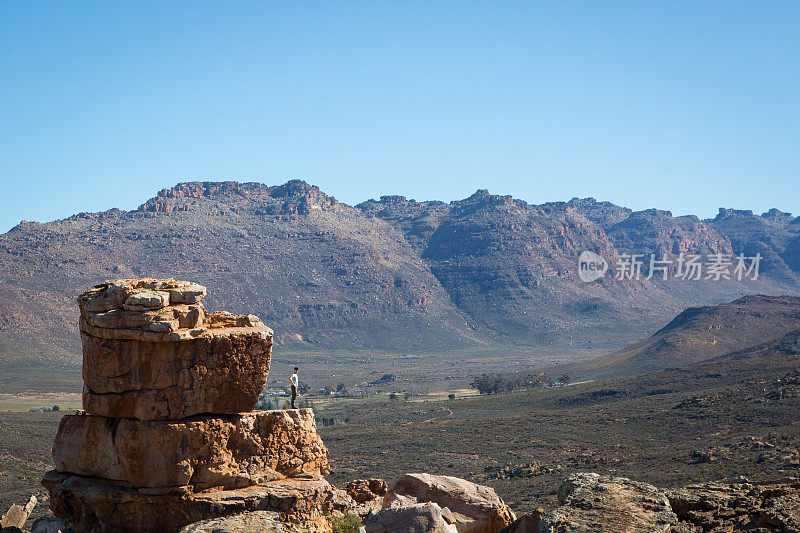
pixel 668 428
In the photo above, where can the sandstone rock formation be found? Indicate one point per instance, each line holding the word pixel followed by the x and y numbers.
pixel 99 505
pixel 168 439
pixel 150 351
pixel 474 508
pixel 228 451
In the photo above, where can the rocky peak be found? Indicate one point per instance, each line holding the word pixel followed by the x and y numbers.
pixel 733 213
pixel 777 216
pixel 173 199
pixel 299 197
pixel 483 200
pixel 293 197
pixel 604 214
pixel 657 231
pixel 395 199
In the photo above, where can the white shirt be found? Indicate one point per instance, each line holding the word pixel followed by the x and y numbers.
pixel 294 380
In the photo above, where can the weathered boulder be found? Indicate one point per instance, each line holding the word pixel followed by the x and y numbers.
pixel 146 293
pixel 151 352
pixel 228 451
pixel 49 524
pixel 365 490
pixel 475 508
pixel 360 496
pixel 426 517
pixel 528 523
pixel 261 521
pixel 94 505
pixel 721 507
pixel 591 502
pixel 18 514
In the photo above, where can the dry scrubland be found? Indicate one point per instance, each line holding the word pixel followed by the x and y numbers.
pixel 668 428
pixel 739 417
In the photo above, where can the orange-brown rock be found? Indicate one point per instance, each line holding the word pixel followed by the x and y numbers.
pixel 170 438
pixel 226 451
pixel 361 496
pixel 95 505
pixel 150 351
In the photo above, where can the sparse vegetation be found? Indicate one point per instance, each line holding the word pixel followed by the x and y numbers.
pixel 650 428
pixel 346 524
pixel 505 383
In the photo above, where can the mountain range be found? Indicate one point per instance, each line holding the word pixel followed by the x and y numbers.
pixel 395 275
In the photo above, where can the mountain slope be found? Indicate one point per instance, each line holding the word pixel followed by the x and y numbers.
pixel 705 333
pixel 318 271
pixel 390 274
pixel 510 266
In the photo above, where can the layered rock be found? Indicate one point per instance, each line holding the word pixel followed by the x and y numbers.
pixel 169 438
pixel 227 451
pixel 261 521
pixel 150 351
pixel 93 504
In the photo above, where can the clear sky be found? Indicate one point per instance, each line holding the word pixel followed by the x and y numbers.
pixel 685 106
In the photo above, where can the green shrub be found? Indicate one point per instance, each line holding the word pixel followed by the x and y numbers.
pixel 346 524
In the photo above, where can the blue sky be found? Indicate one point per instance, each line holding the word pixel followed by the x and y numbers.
pixel 685 106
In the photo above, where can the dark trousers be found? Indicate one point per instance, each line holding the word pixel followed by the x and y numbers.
pixel 294 395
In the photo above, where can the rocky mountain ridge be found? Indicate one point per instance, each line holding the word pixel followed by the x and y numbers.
pixel 391 274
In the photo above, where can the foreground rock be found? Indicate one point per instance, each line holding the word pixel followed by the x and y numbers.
pixel 529 523
pixel 226 451
pixel 169 439
pixel 416 518
pixel 721 507
pixel 361 497
pixel 591 502
pixel 49 524
pixel 95 505
pixel 261 521
pixel 474 508
pixel 150 351
pixel 18 514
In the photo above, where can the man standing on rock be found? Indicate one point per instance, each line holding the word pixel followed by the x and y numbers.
pixel 294 386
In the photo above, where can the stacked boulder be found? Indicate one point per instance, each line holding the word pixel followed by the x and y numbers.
pixel 168 436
